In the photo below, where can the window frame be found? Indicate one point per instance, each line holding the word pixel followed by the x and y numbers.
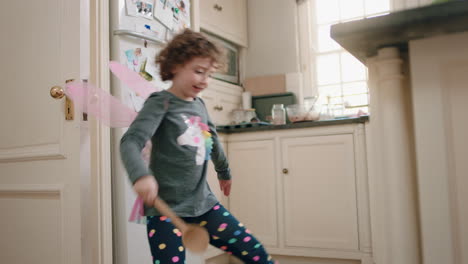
pixel 308 28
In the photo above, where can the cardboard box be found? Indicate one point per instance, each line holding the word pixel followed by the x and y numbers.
pixel 264 85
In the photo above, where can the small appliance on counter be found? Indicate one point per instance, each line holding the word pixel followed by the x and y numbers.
pixel 240 116
pixel 264 103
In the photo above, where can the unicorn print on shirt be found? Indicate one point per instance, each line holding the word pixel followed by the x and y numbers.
pixel 197 135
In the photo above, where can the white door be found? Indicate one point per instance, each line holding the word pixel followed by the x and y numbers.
pixel 39 149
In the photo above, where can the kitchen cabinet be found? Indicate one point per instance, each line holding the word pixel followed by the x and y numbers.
pixel 304 192
pixel 225 18
pixel 220 99
pixel 319 192
pixel 253 194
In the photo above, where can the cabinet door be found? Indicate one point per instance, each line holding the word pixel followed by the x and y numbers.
pixel 319 185
pixel 235 19
pixel 209 13
pixel 253 196
pixel 225 18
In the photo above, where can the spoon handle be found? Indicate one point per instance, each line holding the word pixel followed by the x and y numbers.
pixel 164 209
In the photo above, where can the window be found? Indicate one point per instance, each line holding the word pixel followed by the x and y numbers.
pixel 329 70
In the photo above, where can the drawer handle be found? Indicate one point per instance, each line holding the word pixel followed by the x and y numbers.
pixel 218 108
pixel 285 171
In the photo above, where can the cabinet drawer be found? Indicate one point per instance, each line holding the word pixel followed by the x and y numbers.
pixel 220 100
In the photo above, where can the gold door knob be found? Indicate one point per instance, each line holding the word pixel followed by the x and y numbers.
pixel 285 171
pixel 57 92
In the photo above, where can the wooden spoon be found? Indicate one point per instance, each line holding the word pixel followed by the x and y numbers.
pixel 195 238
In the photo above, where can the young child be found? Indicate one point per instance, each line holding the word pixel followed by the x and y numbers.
pixel 184 139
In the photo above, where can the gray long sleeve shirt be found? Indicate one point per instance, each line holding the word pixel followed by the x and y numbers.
pixel 178 155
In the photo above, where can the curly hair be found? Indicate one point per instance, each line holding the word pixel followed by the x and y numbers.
pixel 183 48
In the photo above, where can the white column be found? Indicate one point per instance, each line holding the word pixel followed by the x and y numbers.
pixel 391 162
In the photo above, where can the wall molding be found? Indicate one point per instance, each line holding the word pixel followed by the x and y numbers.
pixel 100 231
pixel 32 152
pixel 32 188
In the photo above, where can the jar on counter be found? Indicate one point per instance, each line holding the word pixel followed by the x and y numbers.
pixel 278 114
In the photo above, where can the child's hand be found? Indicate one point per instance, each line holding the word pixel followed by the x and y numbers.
pixel 225 186
pixel 147 189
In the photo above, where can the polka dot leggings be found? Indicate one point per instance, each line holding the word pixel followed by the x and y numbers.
pixel 225 232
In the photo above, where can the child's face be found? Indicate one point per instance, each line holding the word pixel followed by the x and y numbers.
pixel 192 77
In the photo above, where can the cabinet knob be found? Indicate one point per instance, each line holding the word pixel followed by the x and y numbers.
pixel 218 7
pixel 285 171
pixel 218 108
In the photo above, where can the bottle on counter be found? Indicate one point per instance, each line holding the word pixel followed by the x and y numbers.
pixel 278 114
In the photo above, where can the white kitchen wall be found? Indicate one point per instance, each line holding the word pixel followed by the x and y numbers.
pixel 273 44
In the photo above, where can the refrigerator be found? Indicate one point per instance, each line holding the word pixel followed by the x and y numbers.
pixel 138 31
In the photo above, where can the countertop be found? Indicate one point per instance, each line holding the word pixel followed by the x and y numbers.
pixel 362 38
pixel 305 124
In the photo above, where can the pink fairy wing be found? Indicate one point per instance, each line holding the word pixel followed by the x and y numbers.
pixel 104 107
pixel 137 215
pixel 111 112
pixel 100 104
pixel 142 87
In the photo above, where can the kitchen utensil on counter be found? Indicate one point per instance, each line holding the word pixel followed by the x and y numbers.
pixel 195 238
pixel 310 102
